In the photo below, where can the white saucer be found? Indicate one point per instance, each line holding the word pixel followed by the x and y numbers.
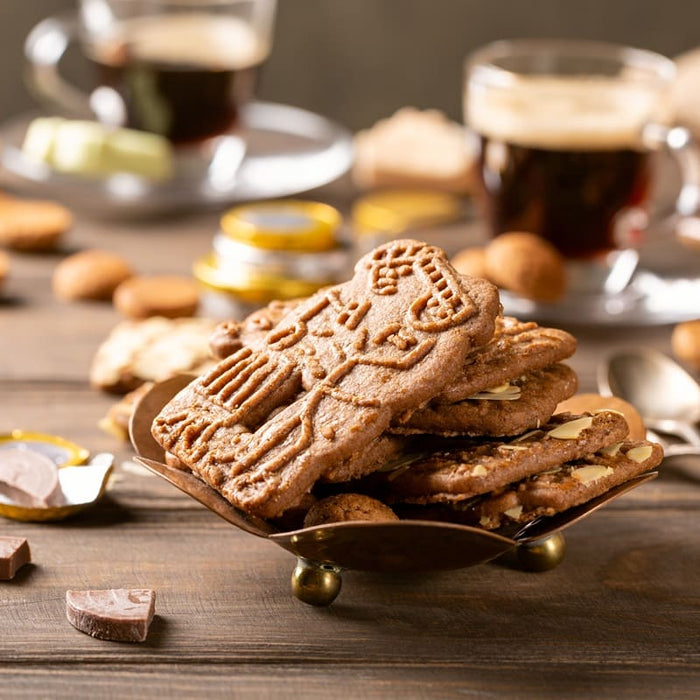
pixel 649 300
pixel 288 150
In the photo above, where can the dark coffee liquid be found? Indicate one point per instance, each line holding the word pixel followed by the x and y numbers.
pixel 185 103
pixel 570 197
pixel 184 76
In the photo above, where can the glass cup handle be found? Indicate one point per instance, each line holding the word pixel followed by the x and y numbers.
pixel 684 217
pixel 43 48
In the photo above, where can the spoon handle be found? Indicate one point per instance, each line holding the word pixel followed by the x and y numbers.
pixel 686 431
pixel 689 433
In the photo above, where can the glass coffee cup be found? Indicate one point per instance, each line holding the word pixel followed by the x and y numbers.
pixel 567 131
pixel 183 69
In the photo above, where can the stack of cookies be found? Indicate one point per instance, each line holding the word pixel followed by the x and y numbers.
pixel 399 393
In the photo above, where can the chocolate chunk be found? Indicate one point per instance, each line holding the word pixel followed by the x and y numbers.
pixel 14 554
pixel 118 615
pixel 29 478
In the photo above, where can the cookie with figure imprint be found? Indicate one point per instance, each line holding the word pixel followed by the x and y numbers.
pixel 459 471
pixel 265 424
pixel 505 387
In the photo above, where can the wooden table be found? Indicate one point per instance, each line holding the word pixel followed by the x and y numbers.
pixel 620 617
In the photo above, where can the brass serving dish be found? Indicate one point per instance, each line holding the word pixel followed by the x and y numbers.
pixel 324 551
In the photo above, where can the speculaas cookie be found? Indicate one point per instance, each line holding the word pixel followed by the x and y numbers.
pixel 230 336
pixel 345 507
pixel 151 350
pixel 569 485
pixel 511 409
pixel 377 455
pixel 517 347
pixel 520 346
pixel 362 352
pixel 462 472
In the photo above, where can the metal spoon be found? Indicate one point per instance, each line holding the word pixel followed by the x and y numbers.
pixel 667 397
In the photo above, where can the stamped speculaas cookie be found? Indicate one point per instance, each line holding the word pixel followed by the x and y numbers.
pixel 377 455
pixel 567 486
pixel 517 347
pixel 151 349
pixel 230 336
pixel 463 472
pixel 362 352
pixel 345 507
pixel 511 409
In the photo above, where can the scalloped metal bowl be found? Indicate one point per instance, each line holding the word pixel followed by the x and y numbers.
pixel 402 546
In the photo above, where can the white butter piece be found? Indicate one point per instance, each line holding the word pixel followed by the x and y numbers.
pixel 81 147
pixel 39 139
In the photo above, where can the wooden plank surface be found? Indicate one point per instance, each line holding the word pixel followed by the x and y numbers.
pixel 620 617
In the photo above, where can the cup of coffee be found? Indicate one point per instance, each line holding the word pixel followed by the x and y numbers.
pixel 183 69
pixel 567 131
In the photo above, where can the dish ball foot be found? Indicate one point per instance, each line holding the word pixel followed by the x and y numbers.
pixel 542 554
pixel 316 584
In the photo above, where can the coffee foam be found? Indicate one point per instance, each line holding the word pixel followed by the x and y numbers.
pixel 217 42
pixel 576 114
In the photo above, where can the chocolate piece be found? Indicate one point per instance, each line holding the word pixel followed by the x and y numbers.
pixel 345 507
pixel 537 392
pixel 118 615
pixel 29 478
pixel 567 486
pixel 362 352
pixel 14 554
pixel 463 472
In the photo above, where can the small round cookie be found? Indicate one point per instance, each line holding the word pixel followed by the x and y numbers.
pixel 169 296
pixel 471 261
pixel 590 403
pixel 31 224
pixel 527 265
pixel 90 275
pixel 685 342
pixel 4 266
pixel 345 507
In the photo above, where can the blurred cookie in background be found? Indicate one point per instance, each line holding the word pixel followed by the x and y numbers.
pixel 591 403
pixel 90 275
pixel 4 266
pixel 415 148
pixel 471 261
pixel 519 262
pixel 151 350
pixel 171 296
pixel 32 225
pixel 685 342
